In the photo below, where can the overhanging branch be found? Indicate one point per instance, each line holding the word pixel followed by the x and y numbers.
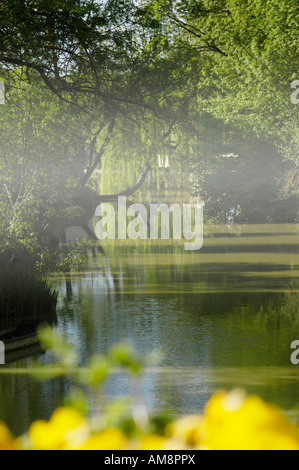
pixel 128 192
pixel 90 170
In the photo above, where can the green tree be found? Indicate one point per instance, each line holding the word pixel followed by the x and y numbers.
pixel 249 56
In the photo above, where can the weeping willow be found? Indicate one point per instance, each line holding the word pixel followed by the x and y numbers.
pixel 133 146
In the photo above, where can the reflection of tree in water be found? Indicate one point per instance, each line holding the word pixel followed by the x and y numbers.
pixel 24 400
pixel 159 302
pixel 199 306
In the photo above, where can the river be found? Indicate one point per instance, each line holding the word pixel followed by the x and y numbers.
pixel 223 317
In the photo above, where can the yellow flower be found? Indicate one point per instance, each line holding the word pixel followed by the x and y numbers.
pixel 234 422
pixel 67 428
pixel 111 439
pixel 153 442
pixel 6 440
pixel 188 430
pixel 231 421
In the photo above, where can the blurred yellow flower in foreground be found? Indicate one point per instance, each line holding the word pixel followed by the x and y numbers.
pixel 66 429
pixel 111 439
pixel 6 439
pixel 153 442
pixel 236 422
pixel 188 430
pixel 231 421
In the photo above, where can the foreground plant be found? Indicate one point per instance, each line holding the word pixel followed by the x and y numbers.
pixel 231 421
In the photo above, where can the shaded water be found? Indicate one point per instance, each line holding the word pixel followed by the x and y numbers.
pixel 224 317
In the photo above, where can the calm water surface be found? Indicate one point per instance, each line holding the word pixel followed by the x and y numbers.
pixel 224 317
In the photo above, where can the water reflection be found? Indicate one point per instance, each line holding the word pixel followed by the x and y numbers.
pixel 224 317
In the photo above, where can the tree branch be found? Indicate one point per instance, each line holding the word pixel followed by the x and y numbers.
pixel 130 191
pixel 198 34
pixel 99 156
pixel 93 145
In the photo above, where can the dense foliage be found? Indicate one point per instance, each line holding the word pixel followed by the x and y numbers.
pixel 117 85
